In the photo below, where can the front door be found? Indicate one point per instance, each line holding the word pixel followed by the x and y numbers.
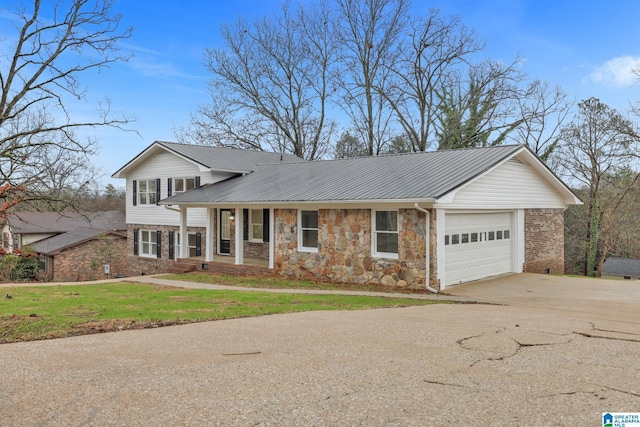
pixel 225 231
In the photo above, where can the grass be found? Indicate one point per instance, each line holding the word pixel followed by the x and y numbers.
pixel 280 283
pixel 34 313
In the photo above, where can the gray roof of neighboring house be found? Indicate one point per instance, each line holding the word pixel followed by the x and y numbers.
pixel 393 177
pixel 56 244
pixel 621 267
pixel 54 222
pixel 217 158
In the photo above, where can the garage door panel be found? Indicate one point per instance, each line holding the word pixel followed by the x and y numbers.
pixel 489 255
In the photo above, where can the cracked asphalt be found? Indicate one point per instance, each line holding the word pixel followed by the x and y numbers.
pixel 546 351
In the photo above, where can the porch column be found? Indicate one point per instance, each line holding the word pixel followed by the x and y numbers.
pixel 210 234
pixel 239 230
pixel 272 243
pixel 184 238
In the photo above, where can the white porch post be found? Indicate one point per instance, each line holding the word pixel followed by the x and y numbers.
pixel 184 239
pixel 210 234
pixel 272 234
pixel 239 229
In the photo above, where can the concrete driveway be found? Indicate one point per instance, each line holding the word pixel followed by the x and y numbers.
pixel 548 354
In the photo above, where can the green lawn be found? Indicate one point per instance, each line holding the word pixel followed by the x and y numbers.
pixel 281 283
pixel 33 313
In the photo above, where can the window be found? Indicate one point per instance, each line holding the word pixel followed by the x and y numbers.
pixel 474 237
pixel 147 191
pixel 492 235
pixel 180 185
pixel 255 225
pixel 385 236
pixel 499 235
pixel 464 238
pixel 446 239
pixel 455 239
pixel 148 243
pixel 506 234
pixel 192 246
pixel 308 234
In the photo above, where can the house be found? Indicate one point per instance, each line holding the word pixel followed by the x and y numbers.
pixel 621 268
pixel 82 254
pixel 430 219
pixel 25 228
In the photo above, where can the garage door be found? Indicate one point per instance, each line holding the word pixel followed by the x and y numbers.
pixel 477 246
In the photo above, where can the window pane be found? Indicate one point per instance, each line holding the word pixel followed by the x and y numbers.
pixel 257 231
pixel 192 240
pixel 491 235
pixel 310 238
pixel 446 239
pixel 178 184
pixel 499 234
pixel 143 186
pixel 474 237
pixel 153 237
pixel 455 239
pixel 145 248
pixel 256 216
pixel 464 238
pixel 387 242
pixel 143 198
pixel 309 219
pixel 191 183
pixel 152 198
pixel 152 186
pixel 386 220
pixel 506 234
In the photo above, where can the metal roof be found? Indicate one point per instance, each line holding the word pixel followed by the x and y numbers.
pixel 54 245
pixel 621 267
pixel 54 222
pixel 427 175
pixel 214 158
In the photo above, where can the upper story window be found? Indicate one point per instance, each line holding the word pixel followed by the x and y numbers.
pixel 146 192
pixel 308 231
pixel 180 185
pixel 385 234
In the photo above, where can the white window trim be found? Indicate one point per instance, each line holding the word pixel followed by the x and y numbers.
pixel 147 193
pixel 302 248
pixel 153 253
pixel 374 234
pixel 251 223
pixel 184 182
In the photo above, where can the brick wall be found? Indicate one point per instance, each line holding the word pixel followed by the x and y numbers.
pixel 344 249
pixel 86 261
pixel 544 241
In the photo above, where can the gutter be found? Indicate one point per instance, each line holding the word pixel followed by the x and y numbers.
pixel 427 239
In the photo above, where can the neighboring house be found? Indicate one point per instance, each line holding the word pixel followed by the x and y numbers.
pixel 82 254
pixel 435 218
pixel 25 228
pixel 621 268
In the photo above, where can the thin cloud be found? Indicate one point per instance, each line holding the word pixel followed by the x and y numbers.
pixel 617 72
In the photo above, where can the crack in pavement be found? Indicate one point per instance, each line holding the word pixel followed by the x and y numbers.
pixel 443 383
pixel 631 393
pixel 585 334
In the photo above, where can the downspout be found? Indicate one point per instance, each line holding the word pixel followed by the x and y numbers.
pixel 427 240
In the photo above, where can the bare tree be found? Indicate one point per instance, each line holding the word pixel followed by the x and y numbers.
pixel 40 78
pixel 270 85
pixel 598 151
pixel 370 34
pixel 435 47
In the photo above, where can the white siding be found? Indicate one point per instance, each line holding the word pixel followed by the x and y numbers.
pixel 165 165
pixel 28 239
pixel 511 185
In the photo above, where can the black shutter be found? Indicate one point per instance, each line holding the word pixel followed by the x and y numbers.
pixel 197 181
pixel 171 244
pixel 169 187
pixel 198 244
pixel 265 225
pixel 135 241
pixel 135 192
pixel 159 246
pixel 158 193
pixel 245 224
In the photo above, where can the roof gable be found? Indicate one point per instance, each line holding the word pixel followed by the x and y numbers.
pixel 208 158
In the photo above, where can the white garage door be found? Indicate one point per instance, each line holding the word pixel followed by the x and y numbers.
pixel 477 246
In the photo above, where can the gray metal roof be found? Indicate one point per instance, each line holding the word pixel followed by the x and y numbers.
pixel 54 222
pixel 54 245
pixel 394 177
pixel 214 158
pixel 621 267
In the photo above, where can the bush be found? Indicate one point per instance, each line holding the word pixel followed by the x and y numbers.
pixel 25 268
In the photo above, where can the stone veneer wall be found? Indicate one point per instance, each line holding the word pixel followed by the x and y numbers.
pixel 140 265
pixel 544 241
pixel 344 249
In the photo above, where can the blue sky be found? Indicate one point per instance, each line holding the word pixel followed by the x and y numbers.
pixel 586 47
